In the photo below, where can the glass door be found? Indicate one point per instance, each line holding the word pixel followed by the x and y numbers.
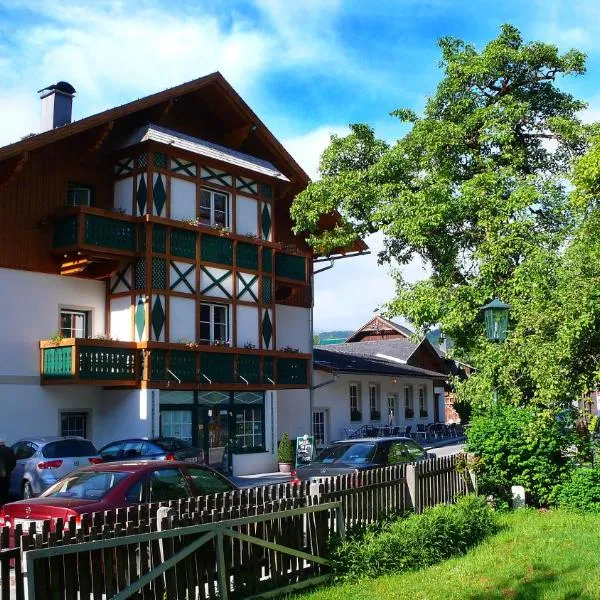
pixel 391 409
pixel 217 429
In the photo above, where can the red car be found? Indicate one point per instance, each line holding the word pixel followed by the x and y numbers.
pixel 116 485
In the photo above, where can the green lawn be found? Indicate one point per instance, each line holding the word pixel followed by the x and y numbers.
pixel 537 555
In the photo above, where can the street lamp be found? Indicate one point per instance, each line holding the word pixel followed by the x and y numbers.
pixel 496 320
pixel 496 327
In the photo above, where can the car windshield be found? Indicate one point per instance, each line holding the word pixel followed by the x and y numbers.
pixel 354 454
pixel 68 448
pixel 172 444
pixel 88 485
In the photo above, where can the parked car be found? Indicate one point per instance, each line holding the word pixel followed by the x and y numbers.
pixel 42 461
pixel 102 487
pixel 353 456
pixel 162 448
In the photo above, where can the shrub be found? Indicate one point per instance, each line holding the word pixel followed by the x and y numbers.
pixel 581 491
pixel 285 451
pixel 516 446
pixel 415 541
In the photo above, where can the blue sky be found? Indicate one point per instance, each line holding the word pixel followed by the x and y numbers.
pixel 307 68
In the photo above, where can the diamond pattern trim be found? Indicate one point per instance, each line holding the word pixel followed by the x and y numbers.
pixel 159 159
pixel 215 282
pixel 140 319
pixel 159 195
pixel 182 276
pixel 140 195
pixel 124 166
pixel 245 287
pixel 265 222
pixel 159 273
pixel 141 162
pixel 140 274
pixel 158 318
pixel 267 330
pixel 122 277
pixel 180 165
pixel 246 185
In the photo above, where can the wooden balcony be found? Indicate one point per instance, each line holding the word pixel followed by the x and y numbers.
pixel 170 366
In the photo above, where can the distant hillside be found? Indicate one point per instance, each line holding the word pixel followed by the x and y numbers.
pixel 336 337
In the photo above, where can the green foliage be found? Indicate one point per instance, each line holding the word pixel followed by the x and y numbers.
pixel 476 190
pixel 581 491
pixel 413 542
pixel 519 446
pixel 285 450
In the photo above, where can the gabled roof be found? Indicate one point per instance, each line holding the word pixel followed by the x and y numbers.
pixel 379 323
pixel 176 139
pixel 334 361
pixel 214 80
pixel 400 349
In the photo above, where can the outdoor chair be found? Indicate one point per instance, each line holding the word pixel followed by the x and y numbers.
pixel 421 432
pixel 408 430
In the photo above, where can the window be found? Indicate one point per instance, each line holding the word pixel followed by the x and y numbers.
pixel 79 195
pixel 214 322
pixel 355 414
pixel 422 403
pixel 73 424
pixel 87 485
pixel 249 429
pixel 111 452
pixel 214 208
pixel 374 401
pixel 409 411
pixel 69 448
pixel 353 454
pixel 404 452
pixel 391 400
pixel 208 482
pixel 132 449
pixel 176 423
pixel 168 484
pixel 74 323
pixel 24 450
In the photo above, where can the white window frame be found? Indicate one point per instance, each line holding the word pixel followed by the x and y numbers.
pixel 408 400
pixel 76 413
pixel 325 424
pixel 212 193
pixel 78 188
pixel 422 401
pixel 87 317
pixel 211 322
pixel 356 386
pixel 374 400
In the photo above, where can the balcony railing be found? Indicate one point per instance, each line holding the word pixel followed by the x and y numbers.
pixel 128 364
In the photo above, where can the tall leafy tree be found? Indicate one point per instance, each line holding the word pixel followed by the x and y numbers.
pixel 477 190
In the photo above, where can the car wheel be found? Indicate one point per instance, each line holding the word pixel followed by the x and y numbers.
pixel 27 490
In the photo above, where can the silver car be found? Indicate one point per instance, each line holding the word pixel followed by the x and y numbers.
pixel 42 461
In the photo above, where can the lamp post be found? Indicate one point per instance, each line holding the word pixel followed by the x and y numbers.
pixel 495 315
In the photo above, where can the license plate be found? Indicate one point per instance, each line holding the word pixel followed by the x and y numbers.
pixel 191 459
pixel 25 523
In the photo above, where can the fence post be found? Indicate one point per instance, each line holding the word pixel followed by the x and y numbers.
pixel 412 481
pixel 341 526
pixel 164 512
pixel 223 583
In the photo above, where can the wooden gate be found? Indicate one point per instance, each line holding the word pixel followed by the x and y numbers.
pixel 266 555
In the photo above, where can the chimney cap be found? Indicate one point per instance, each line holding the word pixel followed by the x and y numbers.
pixel 62 86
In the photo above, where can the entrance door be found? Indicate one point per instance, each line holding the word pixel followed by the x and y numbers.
pixel 213 433
pixel 391 409
pixel 320 426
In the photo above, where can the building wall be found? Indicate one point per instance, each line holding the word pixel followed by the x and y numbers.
pixel 293 328
pixel 293 413
pixel 335 399
pixel 30 308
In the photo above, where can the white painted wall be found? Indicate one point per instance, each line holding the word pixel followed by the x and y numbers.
pixel 293 327
pixel 124 195
pixel 246 215
pixel 293 412
pixel 33 410
pixel 182 319
pixel 29 305
pixel 183 199
pixel 122 414
pixel 121 315
pixel 247 325
pixel 336 398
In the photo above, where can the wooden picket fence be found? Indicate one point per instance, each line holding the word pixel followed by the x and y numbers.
pixel 107 553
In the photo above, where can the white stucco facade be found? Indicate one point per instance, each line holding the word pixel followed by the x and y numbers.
pixel 293 328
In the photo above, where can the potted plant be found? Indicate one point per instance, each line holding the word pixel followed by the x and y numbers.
pixel 355 415
pixel 423 413
pixel 285 454
pixel 375 415
pixel 409 413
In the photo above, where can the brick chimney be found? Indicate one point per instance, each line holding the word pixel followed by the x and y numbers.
pixel 57 105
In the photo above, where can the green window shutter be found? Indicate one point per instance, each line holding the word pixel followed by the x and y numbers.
pixel 267 260
pixel 158 371
pixel 248 366
pixel 291 371
pixel 268 369
pixel 183 364
pixel 65 232
pixel 217 249
pixel 290 266
pixel 217 366
pixel 110 233
pixel 183 243
pixel 246 256
pixel 159 238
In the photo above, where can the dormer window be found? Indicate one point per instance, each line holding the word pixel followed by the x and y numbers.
pixel 79 195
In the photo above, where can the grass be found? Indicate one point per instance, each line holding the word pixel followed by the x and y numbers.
pixel 552 555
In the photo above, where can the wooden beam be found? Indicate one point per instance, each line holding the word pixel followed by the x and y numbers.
pixel 235 138
pixel 106 129
pixel 19 163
